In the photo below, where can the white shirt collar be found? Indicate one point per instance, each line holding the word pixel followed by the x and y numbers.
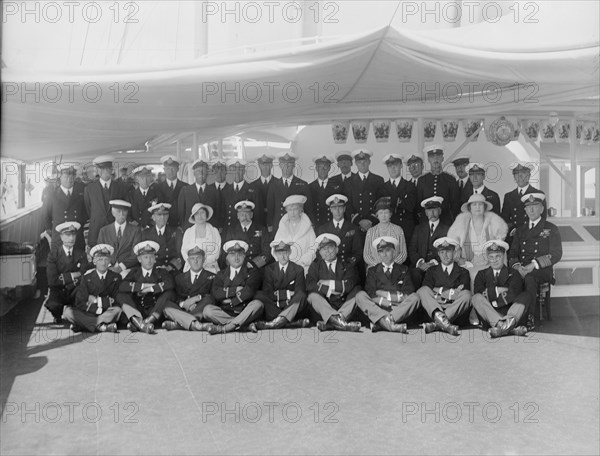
pixel 122 226
pixel 523 189
pixel 464 180
pixel 144 191
pixel 195 275
pixel 347 176
pixel 198 186
pixel 105 182
pixel 321 182
pixel 160 230
pixel 435 224
pixel 220 185
pixel 283 267
pixel 246 225
pixel 339 223
pixel 172 182
pixel 101 276
pixel 145 272
pixel 265 180
pixel 363 176
pixel 287 180
pixel 478 190
pixel 238 184
pixel 448 268
pixel 67 250
pixel 386 267
pixel 233 272
pixel 66 190
pixel 535 222
pixel 395 182
pixel 333 264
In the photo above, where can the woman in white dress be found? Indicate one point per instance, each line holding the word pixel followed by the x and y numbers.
pixel 475 225
pixel 204 235
pixel 385 227
pixel 295 228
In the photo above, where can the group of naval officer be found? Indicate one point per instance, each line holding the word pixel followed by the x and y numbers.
pixel 131 271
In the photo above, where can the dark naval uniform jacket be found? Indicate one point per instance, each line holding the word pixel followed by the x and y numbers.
pixel 223 288
pixel 466 191
pixel 59 208
pixel 59 268
pixel 132 285
pixel 98 208
pixel 421 243
pixel 436 277
pixel 443 185
pixel 399 280
pixel 258 240
pixel 140 204
pixel 170 246
pixel 350 249
pixel 276 285
pixel 171 196
pixel 230 198
pixel 318 211
pixel 345 277
pixel 123 248
pixel 262 190
pixel 492 197
pixel 190 195
pixel 185 289
pixel 485 284
pixel 513 209
pixel 403 202
pixel 542 244
pixel 363 195
pixel 91 285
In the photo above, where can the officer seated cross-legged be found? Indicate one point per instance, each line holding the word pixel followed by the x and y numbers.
pixel 193 290
pixel 332 285
pixel 498 297
pixel 65 265
pixel 445 294
pixel 389 297
pixel 233 289
pixel 96 308
pixel 283 291
pixel 145 290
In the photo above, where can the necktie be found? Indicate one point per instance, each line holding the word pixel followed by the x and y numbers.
pixel 532 226
pixel 432 230
pixel 338 226
pixel 160 233
pixel 282 270
pixel 521 192
pixel 200 191
pixel 245 229
pixel 388 272
pixel 69 254
pixel 146 275
pixel 496 274
pixel 460 184
pixel 287 184
pixel 172 186
pixel 68 193
pixel 264 182
pixel 237 188
pixel 363 178
pixel 323 185
pixel 105 186
pixel 447 271
pixel 194 278
pixel 119 233
pixel 331 268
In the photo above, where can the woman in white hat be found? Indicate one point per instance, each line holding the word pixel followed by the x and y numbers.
pixel 295 227
pixel 204 235
pixel 475 225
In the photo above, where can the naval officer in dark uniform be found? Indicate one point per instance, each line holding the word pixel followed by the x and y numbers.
pixel 96 308
pixel 439 183
pixel 477 177
pixel 168 237
pixel 536 246
pixel 320 189
pixel 465 188
pixel 169 190
pixel 498 296
pixel 403 195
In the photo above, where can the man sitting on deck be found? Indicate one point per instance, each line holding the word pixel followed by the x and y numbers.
pixel 498 297
pixel 64 268
pixel 389 296
pixel 445 292
pixel 145 290
pixel 193 290
pixel 95 308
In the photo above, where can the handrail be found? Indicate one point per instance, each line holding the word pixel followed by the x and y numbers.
pixel 19 214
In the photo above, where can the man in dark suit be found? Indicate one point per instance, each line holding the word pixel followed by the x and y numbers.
pixel 332 286
pixel 95 308
pixel 65 203
pixel 389 297
pixel 421 252
pixel 219 169
pixel 142 197
pixel 193 290
pixel 169 238
pixel 536 247
pixel 350 249
pixel 498 296
pixel 122 235
pixel 238 190
pixel 262 185
pixel 283 293
pixel 321 189
pixel 477 176
pixel 465 188
pixel 415 171
pixel 280 189
pixel 234 289
pixel 199 192
pixel 253 234
pixel 439 183
pixel 403 195
pixel 513 210
pixel 445 294
pixel 97 196
pixel 169 190
pixel 363 190
pixel 344 163
pixel 146 290
pixel 64 267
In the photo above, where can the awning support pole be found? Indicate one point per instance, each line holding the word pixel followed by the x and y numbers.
pixel 575 202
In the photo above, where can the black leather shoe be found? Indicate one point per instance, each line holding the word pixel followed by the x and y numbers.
pixel 252 328
pixel 277 323
pixel 443 324
pixel 337 322
pixel 503 328
pixel 142 326
pixel 304 323
pixel 352 326
pixel 197 326
pixel 112 327
pixel 150 320
pixel 430 327
pixel 220 329
pixel 76 329
pixel 170 325
pixel 321 326
pixel 58 321
pixel 519 331
pixel 130 327
pixel 387 324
